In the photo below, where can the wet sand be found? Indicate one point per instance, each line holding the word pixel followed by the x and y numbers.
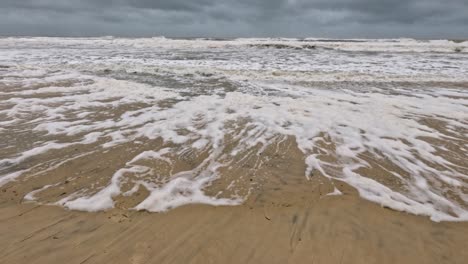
pixel 286 219
pixel 330 229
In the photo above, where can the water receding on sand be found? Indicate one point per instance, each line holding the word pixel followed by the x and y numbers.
pixel 153 124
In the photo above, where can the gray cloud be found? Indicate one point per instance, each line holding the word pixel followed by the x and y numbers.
pixel 229 18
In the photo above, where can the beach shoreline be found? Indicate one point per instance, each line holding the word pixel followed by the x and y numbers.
pixel 242 151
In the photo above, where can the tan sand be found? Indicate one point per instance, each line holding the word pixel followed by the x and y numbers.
pixel 287 219
pixel 333 229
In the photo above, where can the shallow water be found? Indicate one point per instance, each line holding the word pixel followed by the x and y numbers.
pixel 193 121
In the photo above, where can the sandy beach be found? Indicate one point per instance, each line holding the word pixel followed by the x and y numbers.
pixel 286 219
pixel 163 150
pixel 331 229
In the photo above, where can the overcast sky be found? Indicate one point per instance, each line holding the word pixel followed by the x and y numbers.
pixel 236 18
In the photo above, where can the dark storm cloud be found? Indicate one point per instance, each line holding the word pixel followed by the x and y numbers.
pixel 180 5
pixel 228 18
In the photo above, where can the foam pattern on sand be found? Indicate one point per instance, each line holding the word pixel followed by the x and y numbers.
pixel 402 107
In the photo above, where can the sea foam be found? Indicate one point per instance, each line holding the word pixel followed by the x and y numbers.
pixel 395 101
